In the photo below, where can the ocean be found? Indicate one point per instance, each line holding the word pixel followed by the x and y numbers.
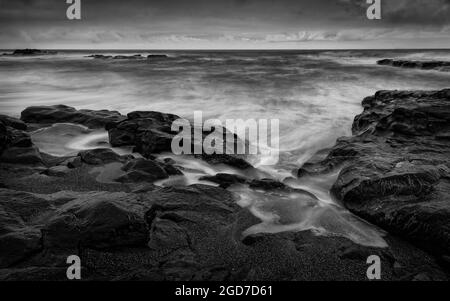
pixel 314 94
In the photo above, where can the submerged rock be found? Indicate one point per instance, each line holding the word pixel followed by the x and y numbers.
pixel 396 168
pixel 47 115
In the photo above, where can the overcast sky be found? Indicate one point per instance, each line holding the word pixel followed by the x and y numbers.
pixel 224 24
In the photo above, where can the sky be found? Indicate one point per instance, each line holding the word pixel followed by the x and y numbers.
pixel 224 24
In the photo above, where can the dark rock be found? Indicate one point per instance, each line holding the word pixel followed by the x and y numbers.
pixel 17 147
pixel 74 162
pixel 426 65
pixel 26 52
pixel 3 137
pixel 230 160
pixel 142 170
pixel 100 156
pixel 64 114
pixel 116 57
pixel 267 184
pixel 396 172
pixel 157 56
pixel 13 122
pixel 150 133
pixel 96 220
pixel 57 171
pixel 224 180
pixel 65 220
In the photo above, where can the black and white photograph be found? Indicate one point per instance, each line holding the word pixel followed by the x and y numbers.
pixel 232 143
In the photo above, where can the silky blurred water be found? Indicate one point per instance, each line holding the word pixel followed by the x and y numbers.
pixel 314 94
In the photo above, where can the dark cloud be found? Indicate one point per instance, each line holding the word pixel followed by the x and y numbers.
pixel 151 23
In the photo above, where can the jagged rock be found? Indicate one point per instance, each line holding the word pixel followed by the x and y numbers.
pixel 224 180
pixel 31 223
pixel 100 156
pixel 231 160
pixel 48 115
pixel 13 122
pixel 17 148
pixel 96 220
pixel 396 169
pixel 150 133
pixel 57 171
pixel 74 162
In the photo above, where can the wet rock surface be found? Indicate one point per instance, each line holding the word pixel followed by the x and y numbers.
pixel 129 228
pixel 395 169
pixel 48 115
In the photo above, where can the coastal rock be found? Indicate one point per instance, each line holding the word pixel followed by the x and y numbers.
pixel 395 169
pixel 267 184
pixel 116 57
pixel 100 156
pixel 57 171
pixel 150 133
pixel 16 147
pixel 32 223
pixel 225 180
pixel 157 56
pixel 142 170
pixel 47 115
pixel 30 52
pixel 426 65
pixel 13 122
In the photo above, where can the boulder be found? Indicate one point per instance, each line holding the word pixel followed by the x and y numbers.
pixel 48 115
pixel 101 156
pixel 13 122
pixel 225 180
pixel 17 148
pixel 150 133
pixel 395 169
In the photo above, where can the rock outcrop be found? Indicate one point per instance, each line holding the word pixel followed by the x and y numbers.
pixel 395 169
pixel 16 145
pixel 48 115
pixel 30 52
pixel 426 65
pixel 151 133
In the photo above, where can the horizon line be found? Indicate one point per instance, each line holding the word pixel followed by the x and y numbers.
pixel 223 49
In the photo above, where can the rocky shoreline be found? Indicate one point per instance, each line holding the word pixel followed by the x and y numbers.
pixel 395 174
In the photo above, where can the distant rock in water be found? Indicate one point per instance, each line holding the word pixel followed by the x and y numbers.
pixel 157 56
pixel 128 57
pixel 426 65
pixel 396 168
pixel 25 52
pixel 47 115
pixel 117 57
